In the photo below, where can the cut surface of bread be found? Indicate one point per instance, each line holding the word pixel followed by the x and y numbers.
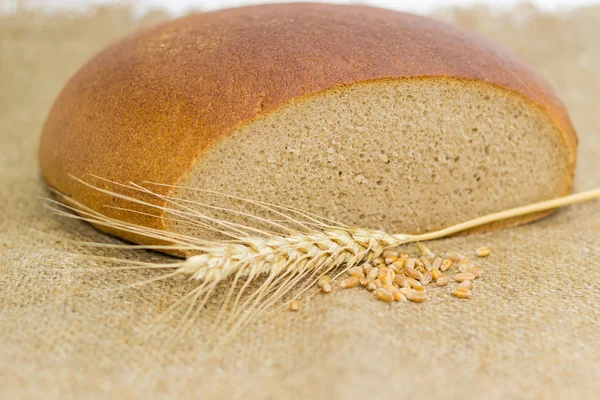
pixel 371 117
pixel 411 155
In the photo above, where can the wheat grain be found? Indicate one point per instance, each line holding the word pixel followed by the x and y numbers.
pixel 390 288
pixel 383 295
pixel 426 263
pixel 391 274
pixel 466 284
pixel 462 293
pixel 324 283
pixel 385 280
pixel 323 280
pixel 372 275
pixel 326 288
pixel 464 276
pixel 401 281
pixel 417 297
pixel 426 279
pixel 398 296
pixel 356 272
pixel 413 273
pixel 383 269
pixel 483 251
pixel 349 282
pixel 414 283
pixel 446 265
pixel 443 280
pixel 390 260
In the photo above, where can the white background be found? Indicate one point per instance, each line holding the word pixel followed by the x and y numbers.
pixel 180 6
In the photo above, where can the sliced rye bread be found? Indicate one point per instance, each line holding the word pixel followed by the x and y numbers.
pixel 375 118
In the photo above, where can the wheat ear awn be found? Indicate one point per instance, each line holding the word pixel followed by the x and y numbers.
pixel 292 250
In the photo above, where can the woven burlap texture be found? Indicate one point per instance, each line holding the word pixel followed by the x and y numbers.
pixel 531 330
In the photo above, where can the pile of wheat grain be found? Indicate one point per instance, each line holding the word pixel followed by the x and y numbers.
pixel 397 276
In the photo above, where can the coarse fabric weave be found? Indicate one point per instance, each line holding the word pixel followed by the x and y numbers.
pixel 531 329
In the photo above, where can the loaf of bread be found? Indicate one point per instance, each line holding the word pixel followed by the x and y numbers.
pixel 376 118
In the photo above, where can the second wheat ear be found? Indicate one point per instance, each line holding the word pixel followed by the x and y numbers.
pixel 299 249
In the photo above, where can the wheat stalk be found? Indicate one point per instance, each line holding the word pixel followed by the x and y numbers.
pixel 298 249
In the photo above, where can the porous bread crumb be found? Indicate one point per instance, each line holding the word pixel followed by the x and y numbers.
pixel 460 144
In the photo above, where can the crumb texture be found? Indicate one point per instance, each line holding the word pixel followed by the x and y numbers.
pixel 404 156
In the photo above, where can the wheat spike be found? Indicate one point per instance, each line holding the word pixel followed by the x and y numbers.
pixel 292 253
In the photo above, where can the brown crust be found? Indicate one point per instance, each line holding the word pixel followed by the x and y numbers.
pixel 145 108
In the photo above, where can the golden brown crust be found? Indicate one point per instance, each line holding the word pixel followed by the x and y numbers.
pixel 145 108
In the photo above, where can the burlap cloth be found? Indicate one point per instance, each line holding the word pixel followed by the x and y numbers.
pixel 532 329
